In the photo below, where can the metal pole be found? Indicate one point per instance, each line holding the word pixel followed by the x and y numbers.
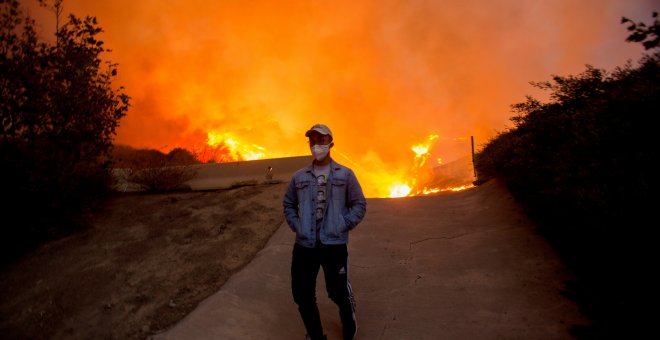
pixel 473 165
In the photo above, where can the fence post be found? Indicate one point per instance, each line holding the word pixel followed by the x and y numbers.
pixel 474 167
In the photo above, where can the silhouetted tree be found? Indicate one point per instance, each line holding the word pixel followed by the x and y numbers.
pixel 649 35
pixel 59 112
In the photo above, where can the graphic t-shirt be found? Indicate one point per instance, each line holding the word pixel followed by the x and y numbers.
pixel 321 173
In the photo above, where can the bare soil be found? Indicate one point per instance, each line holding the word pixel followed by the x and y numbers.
pixel 147 261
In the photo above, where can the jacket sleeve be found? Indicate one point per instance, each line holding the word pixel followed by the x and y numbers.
pixel 290 203
pixel 355 201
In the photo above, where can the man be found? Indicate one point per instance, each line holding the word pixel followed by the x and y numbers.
pixel 323 202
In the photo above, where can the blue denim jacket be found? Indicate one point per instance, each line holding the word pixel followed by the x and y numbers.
pixel 346 205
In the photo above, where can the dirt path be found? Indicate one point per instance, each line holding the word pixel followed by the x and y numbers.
pixel 465 265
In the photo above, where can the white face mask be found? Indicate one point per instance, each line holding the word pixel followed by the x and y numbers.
pixel 320 151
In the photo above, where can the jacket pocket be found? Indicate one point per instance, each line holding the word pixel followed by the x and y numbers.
pixel 342 227
pixel 302 190
pixel 338 189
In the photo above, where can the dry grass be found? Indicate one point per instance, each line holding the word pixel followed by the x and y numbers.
pixel 146 263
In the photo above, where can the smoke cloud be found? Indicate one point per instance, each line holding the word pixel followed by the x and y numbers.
pixel 383 75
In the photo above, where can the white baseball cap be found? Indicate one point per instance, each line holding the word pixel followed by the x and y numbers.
pixel 320 128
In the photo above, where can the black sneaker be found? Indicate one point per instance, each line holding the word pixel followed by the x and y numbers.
pixel 307 337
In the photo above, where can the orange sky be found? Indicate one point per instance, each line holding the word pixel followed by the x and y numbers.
pixel 384 75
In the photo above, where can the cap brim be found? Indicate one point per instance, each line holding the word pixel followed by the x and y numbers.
pixel 309 132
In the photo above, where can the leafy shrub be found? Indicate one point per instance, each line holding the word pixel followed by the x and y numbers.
pixel 59 112
pixel 153 170
pixel 581 166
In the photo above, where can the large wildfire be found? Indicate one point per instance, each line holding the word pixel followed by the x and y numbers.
pixel 397 81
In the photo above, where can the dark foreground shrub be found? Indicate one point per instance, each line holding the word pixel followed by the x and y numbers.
pixel 581 165
pixel 59 111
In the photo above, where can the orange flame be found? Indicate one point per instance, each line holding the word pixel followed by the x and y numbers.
pixel 406 187
pixel 235 149
pixel 399 190
pixel 422 151
pixel 414 185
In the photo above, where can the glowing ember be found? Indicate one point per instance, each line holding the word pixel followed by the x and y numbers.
pixel 462 187
pixel 426 191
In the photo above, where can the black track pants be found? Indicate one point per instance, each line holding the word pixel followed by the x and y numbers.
pixel 304 270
